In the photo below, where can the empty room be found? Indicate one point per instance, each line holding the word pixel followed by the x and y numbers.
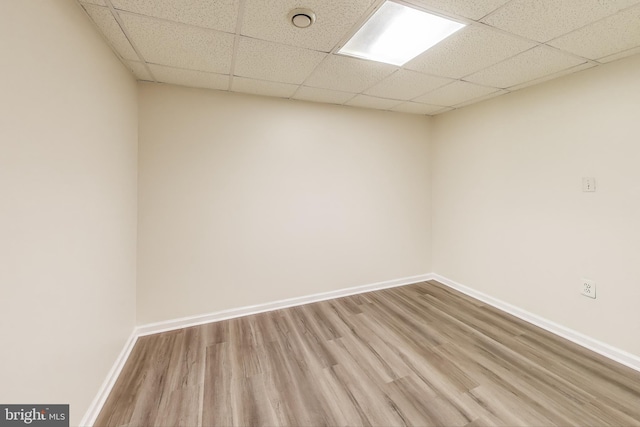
pixel 320 213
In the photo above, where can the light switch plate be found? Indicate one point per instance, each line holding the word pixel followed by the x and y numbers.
pixel 588 184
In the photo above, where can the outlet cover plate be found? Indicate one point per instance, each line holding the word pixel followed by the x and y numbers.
pixel 588 288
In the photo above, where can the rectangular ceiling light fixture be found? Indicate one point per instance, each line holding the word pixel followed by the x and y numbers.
pixel 396 33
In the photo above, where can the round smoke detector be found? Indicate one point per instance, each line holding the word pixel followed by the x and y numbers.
pixel 302 18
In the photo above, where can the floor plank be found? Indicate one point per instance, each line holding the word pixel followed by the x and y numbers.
pixel 421 354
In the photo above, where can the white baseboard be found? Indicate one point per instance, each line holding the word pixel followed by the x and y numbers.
pixel 606 350
pixel 169 325
pixel 599 347
pixel 98 402
pixel 153 328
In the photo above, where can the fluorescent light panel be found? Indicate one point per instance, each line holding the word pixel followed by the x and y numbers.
pixel 395 34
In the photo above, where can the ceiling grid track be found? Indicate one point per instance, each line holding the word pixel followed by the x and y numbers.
pixel 236 41
pixel 116 16
pixel 251 46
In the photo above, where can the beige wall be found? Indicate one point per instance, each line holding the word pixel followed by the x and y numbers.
pixel 247 200
pixel 68 129
pixel 510 218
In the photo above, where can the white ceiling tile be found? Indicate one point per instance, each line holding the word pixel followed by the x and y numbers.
pixel 218 15
pixel 405 85
pixel 609 36
pixel 473 9
pixel 467 51
pixel 366 101
pixel 268 20
pixel 543 20
pixel 179 45
pixel 548 77
pixel 532 64
pixel 262 87
pixel 189 78
pixel 322 95
pixel 109 27
pixel 620 55
pixel 444 110
pixel 455 93
pixel 482 98
pixel 348 74
pixel 139 71
pixel 417 108
pixel 276 58
pixel 275 62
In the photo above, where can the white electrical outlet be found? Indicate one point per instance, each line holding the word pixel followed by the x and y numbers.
pixel 588 288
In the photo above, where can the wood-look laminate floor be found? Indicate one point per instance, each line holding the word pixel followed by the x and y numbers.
pixel 420 355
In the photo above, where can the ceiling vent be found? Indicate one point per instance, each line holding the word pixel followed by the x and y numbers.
pixel 302 18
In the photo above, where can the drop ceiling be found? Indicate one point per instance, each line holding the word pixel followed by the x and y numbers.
pixel 250 46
